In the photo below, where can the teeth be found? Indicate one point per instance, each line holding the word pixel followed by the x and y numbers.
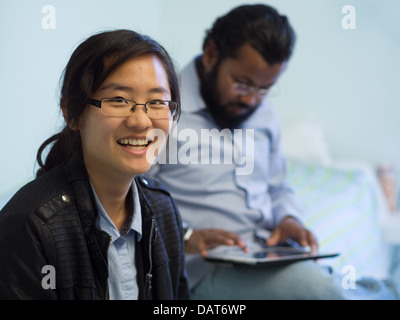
pixel 135 148
pixel 134 142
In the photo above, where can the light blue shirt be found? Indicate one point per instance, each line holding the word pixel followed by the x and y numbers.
pixel 242 188
pixel 122 278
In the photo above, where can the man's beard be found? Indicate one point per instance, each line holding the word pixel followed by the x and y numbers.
pixel 209 92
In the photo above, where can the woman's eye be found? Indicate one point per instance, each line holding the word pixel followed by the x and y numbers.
pixel 119 100
pixel 157 103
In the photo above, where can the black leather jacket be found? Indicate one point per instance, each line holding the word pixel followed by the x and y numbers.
pixel 52 221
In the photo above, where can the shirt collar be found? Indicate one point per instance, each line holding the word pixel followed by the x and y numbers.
pixel 108 226
pixel 136 224
pixel 190 89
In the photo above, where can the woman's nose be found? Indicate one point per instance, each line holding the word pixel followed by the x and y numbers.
pixel 139 118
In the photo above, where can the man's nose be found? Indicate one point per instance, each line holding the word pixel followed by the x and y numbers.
pixel 250 99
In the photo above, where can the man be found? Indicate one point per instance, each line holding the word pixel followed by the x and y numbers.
pixel 228 176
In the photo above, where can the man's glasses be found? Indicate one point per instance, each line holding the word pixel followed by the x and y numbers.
pixel 245 89
pixel 120 107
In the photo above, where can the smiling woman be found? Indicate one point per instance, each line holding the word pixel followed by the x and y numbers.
pixel 88 214
pixel 105 131
pixel 91 74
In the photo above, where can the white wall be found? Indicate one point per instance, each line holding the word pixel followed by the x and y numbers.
pixel 346 80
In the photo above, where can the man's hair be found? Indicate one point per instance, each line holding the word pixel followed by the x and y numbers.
pixel 260 26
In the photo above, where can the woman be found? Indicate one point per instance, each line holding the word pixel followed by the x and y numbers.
pixel 88 226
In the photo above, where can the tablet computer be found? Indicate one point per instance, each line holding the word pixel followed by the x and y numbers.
pixel 262 256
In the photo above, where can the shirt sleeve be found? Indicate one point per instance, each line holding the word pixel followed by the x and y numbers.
pixel 283 199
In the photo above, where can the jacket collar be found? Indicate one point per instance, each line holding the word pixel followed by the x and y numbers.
pixel 77 176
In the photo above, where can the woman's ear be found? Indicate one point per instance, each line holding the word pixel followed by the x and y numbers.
pixel 210 55
pixel 72 124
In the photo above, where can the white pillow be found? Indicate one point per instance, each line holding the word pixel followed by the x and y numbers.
pixel 305 141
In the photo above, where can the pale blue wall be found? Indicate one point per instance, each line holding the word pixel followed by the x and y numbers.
pixel 348 80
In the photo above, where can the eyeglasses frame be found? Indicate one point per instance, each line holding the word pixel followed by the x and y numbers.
pixel 259 92
pixel 97 103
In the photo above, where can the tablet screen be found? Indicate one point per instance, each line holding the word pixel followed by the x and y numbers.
pixel 236 255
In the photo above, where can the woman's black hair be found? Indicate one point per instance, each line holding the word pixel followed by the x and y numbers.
pixel 85 72
pixel 258 25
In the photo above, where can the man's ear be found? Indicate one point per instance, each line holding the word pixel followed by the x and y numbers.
pixel 210 55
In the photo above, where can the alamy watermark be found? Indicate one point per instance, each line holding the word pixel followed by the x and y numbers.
pixel 349 20
pixel 348 280
pixel 49 19
pixel 349 277
pixel 207 146
pixel 49 280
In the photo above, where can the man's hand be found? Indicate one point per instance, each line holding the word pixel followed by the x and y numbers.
pixel 206 239
pixel 290 227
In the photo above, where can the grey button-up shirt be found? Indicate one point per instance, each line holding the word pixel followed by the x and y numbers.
pixel 234 180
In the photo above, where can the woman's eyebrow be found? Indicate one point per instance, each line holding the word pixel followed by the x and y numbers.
pixel 159 90
pixel 116 86
pixel 120 87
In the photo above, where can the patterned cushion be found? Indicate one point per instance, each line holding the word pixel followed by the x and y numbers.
pixel 341 207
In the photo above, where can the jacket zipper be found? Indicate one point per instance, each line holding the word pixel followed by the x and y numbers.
pixel 107 295
pixel 149 276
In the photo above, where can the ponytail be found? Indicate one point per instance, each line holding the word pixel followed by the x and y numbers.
pixel 65 144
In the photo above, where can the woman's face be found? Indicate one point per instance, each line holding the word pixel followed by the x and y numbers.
pixel 116 146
